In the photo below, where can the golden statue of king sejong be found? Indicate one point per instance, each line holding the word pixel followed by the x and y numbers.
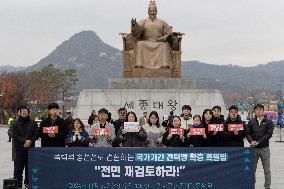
pixel 152 49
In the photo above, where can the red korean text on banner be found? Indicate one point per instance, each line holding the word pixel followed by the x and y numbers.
pixel 177 131
pixel 101 131
pixel 52 129
pixel 235 127
pixel 215 127
pixel 197 131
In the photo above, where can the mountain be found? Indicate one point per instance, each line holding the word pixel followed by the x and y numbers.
pixel 94 60
pixel 8 68
pixel 269 76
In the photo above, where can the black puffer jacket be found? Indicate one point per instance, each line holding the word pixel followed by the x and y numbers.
pixel 132 139
pixel 24 129
pixel 175 141
pixel 229 137
pixel 59 139
pixel 218 120
pixel 215 140
pixel 260 133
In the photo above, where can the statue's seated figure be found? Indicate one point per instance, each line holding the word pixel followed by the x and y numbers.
pixel 151 45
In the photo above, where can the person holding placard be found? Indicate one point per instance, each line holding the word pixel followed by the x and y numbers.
pixel 206 121
pixel 174 137
pixel 217 118
pixel 234 129
pixel 131 134
pixel 215 127
pixel 154 130
pixel 78 136
pixel 197 135
pixel 102 133
pixel 53 130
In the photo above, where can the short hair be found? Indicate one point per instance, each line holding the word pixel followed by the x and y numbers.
pixel 186 107
pixel 233 107
pixel 122 109
pixel 103 110
pixel 258 106
pixel 52 106
pixel 23 106
pixel 217 107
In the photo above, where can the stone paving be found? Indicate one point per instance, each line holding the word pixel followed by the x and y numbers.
pixel 277 161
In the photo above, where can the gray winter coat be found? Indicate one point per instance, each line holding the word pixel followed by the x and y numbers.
pixel 102 141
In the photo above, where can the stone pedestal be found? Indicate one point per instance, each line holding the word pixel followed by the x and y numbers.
pixel 151 83
pixel 147 94
pixel 144 72
pixel 139 100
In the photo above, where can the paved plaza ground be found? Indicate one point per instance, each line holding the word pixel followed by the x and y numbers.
pixel 277 161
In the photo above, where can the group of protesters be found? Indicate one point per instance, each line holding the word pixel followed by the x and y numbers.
pixel 148 131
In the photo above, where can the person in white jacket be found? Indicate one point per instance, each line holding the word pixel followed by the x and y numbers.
pixel 154 130
pixel 186 119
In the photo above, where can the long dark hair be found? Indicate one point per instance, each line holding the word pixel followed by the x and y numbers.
pixel 203 121
pixel 81 123
pixel 132 114
pixel 157 116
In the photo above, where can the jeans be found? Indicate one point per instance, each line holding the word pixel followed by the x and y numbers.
pixel 264 155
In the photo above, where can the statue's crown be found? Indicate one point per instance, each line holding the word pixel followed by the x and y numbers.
pixel 152 4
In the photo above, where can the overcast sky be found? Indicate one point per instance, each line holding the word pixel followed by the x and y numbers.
pixel 239 32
